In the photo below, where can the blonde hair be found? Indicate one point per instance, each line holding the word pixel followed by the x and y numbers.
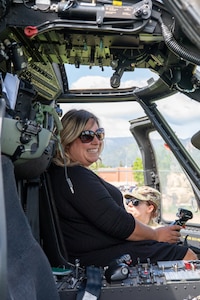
pixel 74 122
pixel 154 212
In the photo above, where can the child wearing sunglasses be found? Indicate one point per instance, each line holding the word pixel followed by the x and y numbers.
pixel 95 225
pixel 143 203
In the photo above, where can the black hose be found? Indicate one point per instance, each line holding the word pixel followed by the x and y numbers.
pixel 176 48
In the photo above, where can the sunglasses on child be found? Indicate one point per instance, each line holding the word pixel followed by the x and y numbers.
pixel 87 136
pixel 134 201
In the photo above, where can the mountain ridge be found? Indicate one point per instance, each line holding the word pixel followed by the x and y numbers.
pixel 122 151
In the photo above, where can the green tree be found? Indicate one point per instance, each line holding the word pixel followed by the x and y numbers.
pixel 96 165
pixel 138 171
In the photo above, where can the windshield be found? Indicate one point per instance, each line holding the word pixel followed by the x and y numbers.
pixel 121 150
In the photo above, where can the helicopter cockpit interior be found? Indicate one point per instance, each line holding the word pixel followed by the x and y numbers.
pixel 44 46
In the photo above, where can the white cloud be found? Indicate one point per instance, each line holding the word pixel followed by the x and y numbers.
pixel 95 82
pixel 182 113
pixel 179 108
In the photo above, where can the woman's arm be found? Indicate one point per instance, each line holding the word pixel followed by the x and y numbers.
pixel 93 201
pixel 170 234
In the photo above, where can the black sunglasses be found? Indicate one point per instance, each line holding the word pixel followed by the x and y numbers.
pixel 87 136
pixel 134 201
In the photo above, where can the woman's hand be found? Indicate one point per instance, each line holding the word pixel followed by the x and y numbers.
pixel 170 234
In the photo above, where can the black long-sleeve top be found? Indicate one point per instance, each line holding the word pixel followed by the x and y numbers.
pixel 93 218
pixel 95 224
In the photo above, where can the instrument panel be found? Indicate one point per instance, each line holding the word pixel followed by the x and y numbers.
pixel 166 280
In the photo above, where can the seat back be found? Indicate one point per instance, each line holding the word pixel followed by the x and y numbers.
pixel 51 235
pixel 29 274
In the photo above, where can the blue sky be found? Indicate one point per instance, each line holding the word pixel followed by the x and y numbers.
pixel 114 117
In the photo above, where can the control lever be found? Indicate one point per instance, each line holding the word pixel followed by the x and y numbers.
pixel 118 269
pixel 184 215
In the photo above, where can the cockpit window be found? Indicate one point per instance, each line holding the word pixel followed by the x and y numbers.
pixel 175 184
pixel 94 77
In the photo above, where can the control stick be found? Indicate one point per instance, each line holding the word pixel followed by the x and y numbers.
pixel 184 215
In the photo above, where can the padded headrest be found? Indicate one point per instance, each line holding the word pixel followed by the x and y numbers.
pixel 36 155
pixel 33 168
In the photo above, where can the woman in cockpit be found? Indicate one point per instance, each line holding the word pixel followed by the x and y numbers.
pixel 95 225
